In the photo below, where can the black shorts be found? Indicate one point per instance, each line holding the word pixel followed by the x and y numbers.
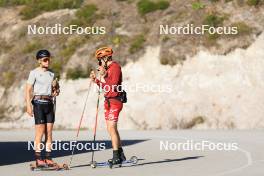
pixel 43 112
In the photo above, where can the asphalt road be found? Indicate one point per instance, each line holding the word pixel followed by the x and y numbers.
pixel 230 153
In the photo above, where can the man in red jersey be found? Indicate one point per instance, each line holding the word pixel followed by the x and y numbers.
pixel 111 82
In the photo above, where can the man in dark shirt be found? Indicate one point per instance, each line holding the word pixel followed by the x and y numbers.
pixel 110 81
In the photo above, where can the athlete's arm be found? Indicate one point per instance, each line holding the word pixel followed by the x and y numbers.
pixel 112 78
pixel 29 89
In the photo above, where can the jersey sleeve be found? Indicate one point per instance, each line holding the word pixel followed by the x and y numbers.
pixel 31 78
pixel 54 75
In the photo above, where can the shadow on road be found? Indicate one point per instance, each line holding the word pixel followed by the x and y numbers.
pixel 149 163
pixel 17 152
pixel 167 161
pixel 85 165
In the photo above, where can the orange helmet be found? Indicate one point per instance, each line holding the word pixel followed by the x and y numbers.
pixel 104 51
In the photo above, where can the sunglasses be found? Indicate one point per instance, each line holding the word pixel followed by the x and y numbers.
pixel 99 62
pixel 45 60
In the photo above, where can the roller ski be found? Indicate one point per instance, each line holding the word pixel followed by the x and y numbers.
pixel 47 165
pixel 115 164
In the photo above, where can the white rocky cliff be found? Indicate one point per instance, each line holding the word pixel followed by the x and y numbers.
pixel 207 91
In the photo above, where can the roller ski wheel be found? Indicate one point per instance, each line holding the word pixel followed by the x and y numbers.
pixel 134 160
pixel 65 167
pixel 94 164
pixel 61 166
pixel 114 163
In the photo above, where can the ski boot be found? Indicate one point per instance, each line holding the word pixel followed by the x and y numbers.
pixel 39 161
pixel 48 160
pixel 115 161
pixel 50 163
pixel 121 154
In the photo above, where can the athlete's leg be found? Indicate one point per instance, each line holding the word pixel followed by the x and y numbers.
pixel 115 138
pixel 119 142
pixel 39 132
pixel 111 116
pixel 120 149
pixel 48 135
pixel 112 130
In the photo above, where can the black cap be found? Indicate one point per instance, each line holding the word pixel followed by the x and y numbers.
pixel 42 53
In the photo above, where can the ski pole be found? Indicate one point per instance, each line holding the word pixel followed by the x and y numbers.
pixel 80 122
pixel 95 124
